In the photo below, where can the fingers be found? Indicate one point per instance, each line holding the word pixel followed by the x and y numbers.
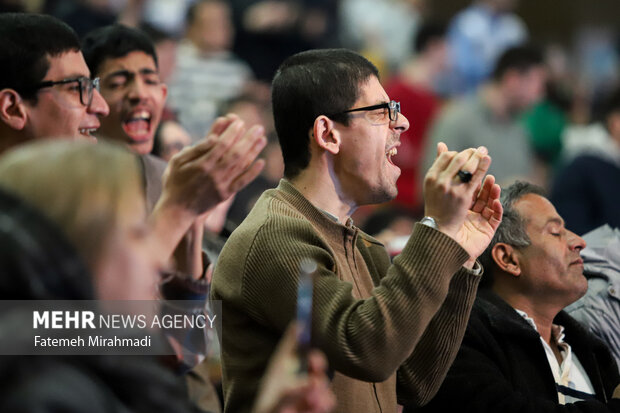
pixel 317 363
pixel 496 207
pixel 482 197
pixel 221 123
pixel 488 203
pixel 244 153
pixel 444 157
pixel 441 148
pixel 493 213
pixel 478 164
pixel 248 176
pixel 471 160
pixel 224 141
pixel 288 342
pixel 224 133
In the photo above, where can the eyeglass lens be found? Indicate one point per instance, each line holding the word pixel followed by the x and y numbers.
pixel 394 110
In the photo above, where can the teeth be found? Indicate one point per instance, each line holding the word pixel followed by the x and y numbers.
pixel 392 152
pixel 141 115
pixel 87 131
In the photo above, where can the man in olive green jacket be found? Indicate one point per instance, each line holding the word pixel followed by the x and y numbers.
pixel 387 328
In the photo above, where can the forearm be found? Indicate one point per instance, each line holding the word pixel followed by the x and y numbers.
pixel 420 377
pixel 366 339
pixel 188 255
pixel 169 223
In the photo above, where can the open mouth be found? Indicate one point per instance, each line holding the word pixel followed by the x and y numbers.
pixel 390 153
pixel 87 132
pixel 138 125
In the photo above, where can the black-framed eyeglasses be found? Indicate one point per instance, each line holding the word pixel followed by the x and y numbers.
pixel 393 109
pixel 86 86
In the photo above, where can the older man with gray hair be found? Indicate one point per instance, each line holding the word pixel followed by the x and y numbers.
pixel 521 352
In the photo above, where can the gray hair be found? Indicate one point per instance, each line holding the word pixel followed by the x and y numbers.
pixel 511 231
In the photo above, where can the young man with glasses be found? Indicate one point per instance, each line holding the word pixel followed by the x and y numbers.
pixel 39 59
pixel 45 86
pixel 384 326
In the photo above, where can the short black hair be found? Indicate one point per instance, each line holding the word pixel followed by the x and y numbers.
pixel 26 42
pixel 428 33
pixel 114 41
pixel 511 230
pixel 519 58
pixel 310 84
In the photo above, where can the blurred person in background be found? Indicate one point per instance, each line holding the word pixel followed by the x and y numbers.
pixel 93 242
pixel 478 35
pixel 102 214
pixel 599 309
pixel 207 73
pixel 586 189
pixel 86 15
pixel 268 31
pixel 546 120
pixel 492 117
pixel 101 187
pixel 165 48
pixel 381 30
pixel 170 139
pixel 414 87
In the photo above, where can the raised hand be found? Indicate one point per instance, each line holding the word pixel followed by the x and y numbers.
pixel 284 390
pixel 468 212
pixel 200 177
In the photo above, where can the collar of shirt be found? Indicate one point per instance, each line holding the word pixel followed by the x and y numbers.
pixel 569 374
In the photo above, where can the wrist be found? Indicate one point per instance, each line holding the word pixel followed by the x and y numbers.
pixel 433 222
pixel 169 222
pixel 469 264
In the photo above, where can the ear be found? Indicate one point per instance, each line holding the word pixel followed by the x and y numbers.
pixel 12 109
pixel 325 135
pixel 164 90
pixel 506 258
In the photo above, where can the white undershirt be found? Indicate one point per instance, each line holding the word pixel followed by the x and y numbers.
pixel 570 373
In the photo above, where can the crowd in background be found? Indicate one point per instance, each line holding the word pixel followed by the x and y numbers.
pixel 557 126
pixel 220 56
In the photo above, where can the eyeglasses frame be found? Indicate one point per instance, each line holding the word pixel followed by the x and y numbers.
pixel 92 85
pixel 392 106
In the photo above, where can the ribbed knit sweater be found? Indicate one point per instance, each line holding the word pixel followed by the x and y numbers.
pixel 383 325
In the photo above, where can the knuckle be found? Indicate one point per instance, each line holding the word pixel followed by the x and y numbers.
pixel 443 187
pixel 430 179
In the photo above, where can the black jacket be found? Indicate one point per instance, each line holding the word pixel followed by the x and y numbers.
pixel 502 366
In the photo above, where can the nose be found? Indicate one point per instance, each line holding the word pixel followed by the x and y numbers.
pixel 98 106
pixel 137 90
pixel 575 242
pixel 401 124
